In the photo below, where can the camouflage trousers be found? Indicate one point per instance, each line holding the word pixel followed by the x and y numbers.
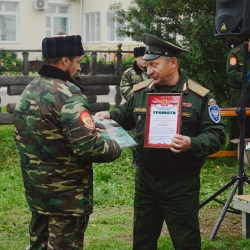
pixel 57 233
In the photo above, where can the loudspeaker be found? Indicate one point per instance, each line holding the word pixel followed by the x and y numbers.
pixel 232 18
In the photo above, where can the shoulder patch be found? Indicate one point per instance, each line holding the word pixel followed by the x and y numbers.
pixel 87 120
pixel 197 88
pixel 74 89
pixel 233 60
pixel 141 85
pixel 214 113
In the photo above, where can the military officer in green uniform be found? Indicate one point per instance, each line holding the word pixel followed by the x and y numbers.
pixel 234 71
pixel 137 73
pixel 167 181
pixel 57 142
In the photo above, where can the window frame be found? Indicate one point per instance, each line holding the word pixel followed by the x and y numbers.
pixel 17 24
pixel 96 27
pixel 115 41
pixel 57 14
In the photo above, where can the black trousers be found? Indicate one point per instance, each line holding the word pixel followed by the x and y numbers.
pixel 175 201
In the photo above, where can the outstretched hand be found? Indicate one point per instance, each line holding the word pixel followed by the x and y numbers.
pixel 103 115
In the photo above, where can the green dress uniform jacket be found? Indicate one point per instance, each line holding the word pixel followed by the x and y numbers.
pixel 234 67
pixel 207 136
pixel 234 71
pixel 57 143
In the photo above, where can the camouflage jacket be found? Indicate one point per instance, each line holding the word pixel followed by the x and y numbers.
pixel 130 77
pixel 57 143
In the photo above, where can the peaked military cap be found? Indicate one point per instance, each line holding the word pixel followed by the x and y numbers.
pixel 157 47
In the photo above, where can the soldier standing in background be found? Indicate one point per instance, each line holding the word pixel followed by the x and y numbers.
pixel 57 142
pixel 137 73
pixel 234 71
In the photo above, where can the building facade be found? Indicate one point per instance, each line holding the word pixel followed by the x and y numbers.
pixel 24 23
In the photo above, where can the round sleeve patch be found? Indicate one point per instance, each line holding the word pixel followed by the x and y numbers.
pixel 214 113
pixel 87 120
pixel 232 61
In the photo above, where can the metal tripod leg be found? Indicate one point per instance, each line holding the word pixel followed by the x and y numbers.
pixel 224 210
pixel 217 193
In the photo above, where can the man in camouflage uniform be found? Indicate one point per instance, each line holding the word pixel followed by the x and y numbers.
pixel 57 142
pixel 167 182
pixel 234 71
pixel 137 73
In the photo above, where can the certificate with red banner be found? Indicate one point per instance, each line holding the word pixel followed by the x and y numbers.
pixel 163 120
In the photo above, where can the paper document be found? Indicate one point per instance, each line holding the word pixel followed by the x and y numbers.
pixel 112 130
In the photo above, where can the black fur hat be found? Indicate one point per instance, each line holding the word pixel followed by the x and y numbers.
pixel 139 51
pixel 63 45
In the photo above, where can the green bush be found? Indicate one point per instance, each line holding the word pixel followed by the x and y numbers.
pixel 128 59
pixel 9 60
pixel 86 58
pixel 110 59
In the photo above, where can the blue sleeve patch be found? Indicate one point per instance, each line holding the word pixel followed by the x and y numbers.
pixel 214 113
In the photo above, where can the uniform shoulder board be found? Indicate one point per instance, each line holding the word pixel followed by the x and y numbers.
pixel 141 85
pixel 74 89
pixel 236 50
pixel 197 88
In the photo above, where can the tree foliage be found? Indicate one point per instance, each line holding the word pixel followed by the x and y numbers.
pixel 194 22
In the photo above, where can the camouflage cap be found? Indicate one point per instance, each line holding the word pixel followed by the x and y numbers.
pixel 62 45
pixel 157 47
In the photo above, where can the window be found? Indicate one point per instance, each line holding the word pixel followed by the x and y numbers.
pixel 111 29
pixel 9 16
pixel 92 31
pixel 57 19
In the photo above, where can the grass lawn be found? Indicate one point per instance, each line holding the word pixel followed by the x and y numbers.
pixel 110 226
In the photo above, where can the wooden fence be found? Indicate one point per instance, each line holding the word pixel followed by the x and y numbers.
pixel 93 84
